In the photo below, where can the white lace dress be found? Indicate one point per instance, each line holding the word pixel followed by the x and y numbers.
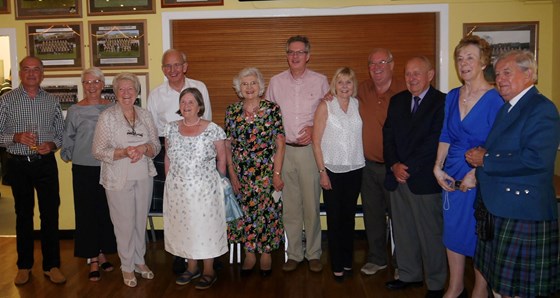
pixel 193 205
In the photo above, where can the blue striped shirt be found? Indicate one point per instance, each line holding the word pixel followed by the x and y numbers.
pixel 18 112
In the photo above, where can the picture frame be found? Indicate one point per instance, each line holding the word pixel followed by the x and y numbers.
pixel 58 45
pixel 141 100
pixel 67 88
pixel 5 6
pixel 104 7
pixel 504 36
pixel 118 44
pixel 184 3
pixel 48 9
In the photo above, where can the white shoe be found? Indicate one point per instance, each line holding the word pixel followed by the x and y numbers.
pixel 371 268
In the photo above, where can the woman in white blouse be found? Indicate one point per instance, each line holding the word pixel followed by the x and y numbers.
pixel 337 146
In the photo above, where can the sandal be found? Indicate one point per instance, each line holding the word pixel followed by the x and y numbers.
pixel 94 275
pixel 107 266
pixel 206 282
pixel 186 277
pixel 129 282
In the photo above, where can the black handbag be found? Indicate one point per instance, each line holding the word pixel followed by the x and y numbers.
pixel 484 221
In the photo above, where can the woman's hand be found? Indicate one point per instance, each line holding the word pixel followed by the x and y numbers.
pixel 135 153
pixel 235 184
pixel 469 181
pixel 277 182
pixel 446 182
pixel 325 181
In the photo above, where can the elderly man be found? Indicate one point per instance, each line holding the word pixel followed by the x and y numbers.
pixel 410 140
pixel 298 92
pixel 163 103
pixel 374 95
pixel 31 127
pixel 518 253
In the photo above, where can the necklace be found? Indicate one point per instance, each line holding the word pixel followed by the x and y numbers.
pixel 189 125
pixel 132 125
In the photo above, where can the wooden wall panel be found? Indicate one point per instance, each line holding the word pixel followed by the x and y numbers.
pixel 218 49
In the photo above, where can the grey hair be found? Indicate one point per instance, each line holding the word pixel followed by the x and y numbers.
pixel 169 51
pixel 126 76
pixel 94 71
pixel 245 72
pixel 524 59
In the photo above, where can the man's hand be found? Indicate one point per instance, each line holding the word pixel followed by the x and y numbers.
pixel 475 156
pixel 305 135
pixel 400 172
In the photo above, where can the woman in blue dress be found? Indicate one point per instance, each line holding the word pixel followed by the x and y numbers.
pixel 470 111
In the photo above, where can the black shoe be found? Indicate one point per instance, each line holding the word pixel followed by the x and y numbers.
pixel 398 284
pixel 464 294
pixel 266 273
pixel 348 272
pixel 246 272
pixel 338 278
pixel 179 265
pixel 434 294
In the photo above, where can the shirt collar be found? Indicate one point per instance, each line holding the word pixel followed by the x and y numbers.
pixel 516 99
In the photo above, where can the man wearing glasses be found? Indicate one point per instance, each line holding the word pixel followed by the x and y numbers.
pixel 163 103
pixel 374 95
pixel 298 92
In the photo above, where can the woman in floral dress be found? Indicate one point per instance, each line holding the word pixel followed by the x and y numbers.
pixel 256 145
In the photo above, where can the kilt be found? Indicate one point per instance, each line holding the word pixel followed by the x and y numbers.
pixel 522 258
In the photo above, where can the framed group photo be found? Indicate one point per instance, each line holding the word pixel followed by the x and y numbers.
pixel 58 45
pixel 183 3
pixel 68 89
pixel 118 44
pixel 505 37
pixel 5 6
pixel 104 7
pixel 26 9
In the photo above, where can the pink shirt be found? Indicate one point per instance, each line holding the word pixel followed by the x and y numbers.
pixel 297 98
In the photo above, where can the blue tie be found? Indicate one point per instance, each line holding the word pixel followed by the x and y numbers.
pixel 416 104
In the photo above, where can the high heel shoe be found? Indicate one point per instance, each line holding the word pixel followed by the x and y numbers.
pixel 266 272
pixel 146 274
pixel 464 294
pixel 129 282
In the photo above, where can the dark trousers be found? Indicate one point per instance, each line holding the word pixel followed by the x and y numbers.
pixel 40 175
pixel 94 229
pixel 340 203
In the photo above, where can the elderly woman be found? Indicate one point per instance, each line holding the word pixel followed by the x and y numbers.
pixel 193 205
pixel 337 146
pixel 125 142
pixel 94 234
pixel 470 111
pixel 256 147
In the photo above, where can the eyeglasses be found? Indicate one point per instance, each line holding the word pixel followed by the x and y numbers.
pixel 252 83
pixel 172 66
pixel 89 82
pixel 380 63
pixel 296 53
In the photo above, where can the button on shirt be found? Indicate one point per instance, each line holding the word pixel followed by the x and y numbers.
pixel 18 111
pixel 298 99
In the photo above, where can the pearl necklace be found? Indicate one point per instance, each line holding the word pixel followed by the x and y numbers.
pixel 190 125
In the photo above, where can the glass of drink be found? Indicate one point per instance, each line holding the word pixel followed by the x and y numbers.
pixel 34 129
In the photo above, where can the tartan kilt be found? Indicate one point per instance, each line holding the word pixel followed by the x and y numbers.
pixel 522 258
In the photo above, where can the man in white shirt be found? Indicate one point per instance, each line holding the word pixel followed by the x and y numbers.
pixel 163 103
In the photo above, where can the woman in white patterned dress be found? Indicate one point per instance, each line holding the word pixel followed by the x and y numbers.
pixel 193 205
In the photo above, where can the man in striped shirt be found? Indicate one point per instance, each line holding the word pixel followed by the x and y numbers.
pixel 31 125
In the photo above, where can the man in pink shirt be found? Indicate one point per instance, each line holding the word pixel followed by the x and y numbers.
pixel 298 92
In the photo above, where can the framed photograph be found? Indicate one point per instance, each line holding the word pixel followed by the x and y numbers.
pixel 105 7
pixel 59 45
pixel 68 89
pixel 505 37
pixel 118 44
pixel 4 6
pixel 51 9
pixel 142 98
pixel 182 3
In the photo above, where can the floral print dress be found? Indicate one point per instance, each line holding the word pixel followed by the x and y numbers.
pixel 253 147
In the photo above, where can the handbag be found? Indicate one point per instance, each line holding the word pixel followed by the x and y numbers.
pixel 233 211
pixel 484 221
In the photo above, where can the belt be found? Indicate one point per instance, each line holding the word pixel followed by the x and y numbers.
pixel 295 145
pixel 27 158
pixel 375 162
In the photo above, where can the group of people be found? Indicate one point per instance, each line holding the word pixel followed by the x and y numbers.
pixel 458 175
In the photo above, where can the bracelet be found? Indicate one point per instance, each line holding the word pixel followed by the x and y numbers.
pixel 276 173
pixel 322 170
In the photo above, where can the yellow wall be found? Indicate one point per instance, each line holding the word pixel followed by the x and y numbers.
pixel 547 12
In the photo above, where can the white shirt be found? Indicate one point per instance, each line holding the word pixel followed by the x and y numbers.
pixel 163 103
